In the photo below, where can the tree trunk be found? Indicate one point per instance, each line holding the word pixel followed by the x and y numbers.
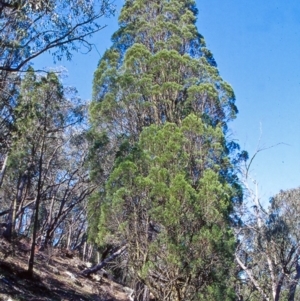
pixel 8 229
pixel 20 222
pixel 9 232
pixel 34 232
pixel 252 279
pixel 293 286
pixel 48 227
pixel 278 287
pixel 84 251
pixel 11 225
pixel 90 252
pixel 69 237
pixel 81 243
pixel 36 215
pixel 3 169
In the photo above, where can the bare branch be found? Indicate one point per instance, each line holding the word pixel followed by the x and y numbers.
pixel 102 264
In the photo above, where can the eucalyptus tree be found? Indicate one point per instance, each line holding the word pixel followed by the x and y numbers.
pixel 269 248
pixel 9 87
pixel 46 173
pixel 30 28
pixel 68 189
pixel 159 154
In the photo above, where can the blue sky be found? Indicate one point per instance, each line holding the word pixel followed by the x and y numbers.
pixel 256 45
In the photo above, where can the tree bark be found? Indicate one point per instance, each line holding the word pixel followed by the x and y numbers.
pixel 34 233
pixel 253 280
pixel 84 251
pixel 36 215
pixel 3 169
pixel 9 233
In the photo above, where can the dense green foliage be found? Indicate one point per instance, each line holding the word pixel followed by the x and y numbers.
pixel 160 156
pixel 174 227
pixel 156 164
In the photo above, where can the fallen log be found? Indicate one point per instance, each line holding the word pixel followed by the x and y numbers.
pixel 102 264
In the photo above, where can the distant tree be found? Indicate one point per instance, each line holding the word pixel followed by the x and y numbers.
pixel 160 157
pixel 30 28
pixel 268 251
pixel 9 88
pixel 46 172
pixel 68 186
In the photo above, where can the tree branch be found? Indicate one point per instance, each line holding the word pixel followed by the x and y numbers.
pixel 253 280
pixel 102 264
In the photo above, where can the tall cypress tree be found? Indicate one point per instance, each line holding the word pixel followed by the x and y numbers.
pixel 159 154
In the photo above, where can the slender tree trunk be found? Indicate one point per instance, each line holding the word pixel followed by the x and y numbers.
pixel 293 286
pixel 8 231
pixel 252 278
pixel 34 233
pixel 278 287
pixel 69 237
pixel 19 228
pixel 27 224
pixel 3 169
pixel 49 227
pixel 36 215
pixel 81 243
pixel 84 251
pixel 90 252
pixel 62 235
pixel 11 225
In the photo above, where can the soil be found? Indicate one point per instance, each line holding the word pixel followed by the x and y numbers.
pixel 56 277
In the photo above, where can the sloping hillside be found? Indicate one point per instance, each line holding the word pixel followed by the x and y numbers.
pixel 56 277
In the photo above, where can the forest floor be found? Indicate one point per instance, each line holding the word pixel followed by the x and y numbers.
pixel 56 278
